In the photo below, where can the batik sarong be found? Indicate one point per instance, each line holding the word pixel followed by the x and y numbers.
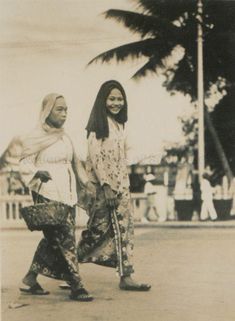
pixel 55 256
pixel 108 239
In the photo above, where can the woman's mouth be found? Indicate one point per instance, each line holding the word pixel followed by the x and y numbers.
pixel 115 108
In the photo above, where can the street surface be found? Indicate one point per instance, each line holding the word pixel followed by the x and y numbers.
pixel 191 271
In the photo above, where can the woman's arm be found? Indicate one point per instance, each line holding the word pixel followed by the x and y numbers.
pixel 30 171
pixel 83 184
pixel 79 170
pixel 127 146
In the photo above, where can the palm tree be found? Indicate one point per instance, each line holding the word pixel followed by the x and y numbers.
pixel 164 25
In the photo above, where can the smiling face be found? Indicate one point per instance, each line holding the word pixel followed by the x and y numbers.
pixel 115 101
pixel 58 113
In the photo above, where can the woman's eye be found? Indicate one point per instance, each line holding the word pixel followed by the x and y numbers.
pixel 60 110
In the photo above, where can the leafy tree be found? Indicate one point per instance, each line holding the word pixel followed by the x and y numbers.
pixel 164 26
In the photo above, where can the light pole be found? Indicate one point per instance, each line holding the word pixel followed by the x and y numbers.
pixel 200 91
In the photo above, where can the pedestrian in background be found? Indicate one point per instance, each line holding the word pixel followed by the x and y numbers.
pixel 207 209
pixel 150 192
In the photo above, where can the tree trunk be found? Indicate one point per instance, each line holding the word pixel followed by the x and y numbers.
pixel 218 147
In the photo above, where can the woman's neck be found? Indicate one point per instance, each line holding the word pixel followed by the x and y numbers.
pixel 50 128
pixel 49 123
pixel 115 123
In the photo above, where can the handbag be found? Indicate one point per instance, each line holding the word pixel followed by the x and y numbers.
pixel 43 215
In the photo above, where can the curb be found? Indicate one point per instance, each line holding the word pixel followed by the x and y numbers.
pixel 186 224
pixel 167 224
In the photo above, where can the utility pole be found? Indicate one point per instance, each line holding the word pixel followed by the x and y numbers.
pixel 200 91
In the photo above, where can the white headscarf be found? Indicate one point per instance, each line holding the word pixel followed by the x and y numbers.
pixel 43 135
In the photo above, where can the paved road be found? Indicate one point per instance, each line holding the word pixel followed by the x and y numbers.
pixel 191 271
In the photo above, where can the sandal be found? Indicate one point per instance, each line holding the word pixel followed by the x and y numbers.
pixel 138 287
pixel 65 286
pixel 36 289
pixel 81 295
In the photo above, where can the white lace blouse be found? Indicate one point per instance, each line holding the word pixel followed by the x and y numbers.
pixel 106 160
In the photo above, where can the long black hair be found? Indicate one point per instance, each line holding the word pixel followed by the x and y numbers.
pixel 98 121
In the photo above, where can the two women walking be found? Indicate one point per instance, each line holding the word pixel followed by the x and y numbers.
pixel 108 238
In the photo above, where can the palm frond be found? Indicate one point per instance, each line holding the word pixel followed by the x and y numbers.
pixel 169 9
pixel 142 23
pixel 182 79
pixel 156 62
pixel 146 47
pixel 151 66
pixel 155 20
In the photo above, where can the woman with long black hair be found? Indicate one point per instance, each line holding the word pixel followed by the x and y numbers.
pixel 108 239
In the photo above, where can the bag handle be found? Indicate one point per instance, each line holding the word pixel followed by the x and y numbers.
pixel 39 188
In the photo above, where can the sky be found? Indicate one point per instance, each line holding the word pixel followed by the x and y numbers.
pixel 45 47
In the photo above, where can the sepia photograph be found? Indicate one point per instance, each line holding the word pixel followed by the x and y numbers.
pixel 117 160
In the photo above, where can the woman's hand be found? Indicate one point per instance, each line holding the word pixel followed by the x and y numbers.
pixel 110 197
pixel 44 176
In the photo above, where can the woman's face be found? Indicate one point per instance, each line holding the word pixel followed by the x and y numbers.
pixel 58 113
pixel 115 101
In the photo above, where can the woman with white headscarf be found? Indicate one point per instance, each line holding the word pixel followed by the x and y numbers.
pixel 55 174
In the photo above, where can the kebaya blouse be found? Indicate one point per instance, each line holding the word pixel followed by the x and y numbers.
pixel 57 160
pixel 106 160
